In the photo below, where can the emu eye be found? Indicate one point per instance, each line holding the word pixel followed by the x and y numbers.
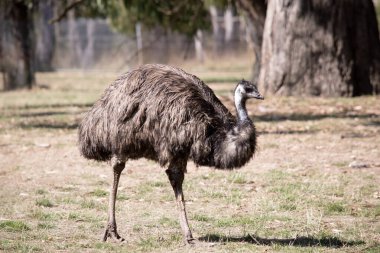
pixel 248 89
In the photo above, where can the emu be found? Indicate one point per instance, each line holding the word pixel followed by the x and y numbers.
pixel 164 114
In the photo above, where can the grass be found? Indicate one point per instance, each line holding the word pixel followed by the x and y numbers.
pixel 43 216
pixel 298 194
pixel 44 202
pixel 99 193
pixel 335 208
pixel 13 226
pixel 88 204
pixel 45 225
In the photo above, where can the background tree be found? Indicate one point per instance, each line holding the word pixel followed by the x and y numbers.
pixel 44 35
pixel 307 47
pixel 255 13
pixel 317 47
pixel 16 44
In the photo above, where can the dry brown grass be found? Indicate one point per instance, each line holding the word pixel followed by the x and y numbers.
pixel 298 194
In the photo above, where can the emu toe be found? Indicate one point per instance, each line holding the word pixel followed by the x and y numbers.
pixel 112 233
pixel 190 241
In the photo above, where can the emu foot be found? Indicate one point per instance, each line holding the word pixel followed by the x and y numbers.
pixel 190 241
pixel 112 233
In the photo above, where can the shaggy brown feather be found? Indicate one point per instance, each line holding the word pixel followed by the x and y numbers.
pixel 160 113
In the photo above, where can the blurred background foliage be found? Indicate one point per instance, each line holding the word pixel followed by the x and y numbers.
pixel 336 43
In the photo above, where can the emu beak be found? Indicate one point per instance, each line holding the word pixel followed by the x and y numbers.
pixel 260 97
pixel 257 96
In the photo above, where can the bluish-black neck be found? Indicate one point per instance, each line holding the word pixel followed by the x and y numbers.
pixel 241 109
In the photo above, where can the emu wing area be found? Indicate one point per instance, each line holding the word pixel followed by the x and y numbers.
pixel 157 112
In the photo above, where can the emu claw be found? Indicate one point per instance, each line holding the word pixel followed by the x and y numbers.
pixel 190 241
pixel 112 233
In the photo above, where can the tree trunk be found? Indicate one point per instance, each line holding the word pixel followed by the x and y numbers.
pixel 45 41
pixel 198 42
pixel 217 29
pixel 16 44
pixel 231 24
pixel 320 48
pixel 88 52
pixel 255 11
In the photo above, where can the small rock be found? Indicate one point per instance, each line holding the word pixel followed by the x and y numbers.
pixel 42 145
pixel 262 108
pixel 336 231
pixel 376 195
pixel 51 171
pixel 103 176
pixel 358 165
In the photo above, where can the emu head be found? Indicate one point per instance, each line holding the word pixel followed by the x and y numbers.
pixel 246 89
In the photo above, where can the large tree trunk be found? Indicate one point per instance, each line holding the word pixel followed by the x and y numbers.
pixel 16 44
pixel 255 11
pixel 45 41
pixel 320 48
pixel 231 24
pixel 218 30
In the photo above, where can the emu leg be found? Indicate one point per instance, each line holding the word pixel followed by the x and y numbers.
pixel 111 229
pixel 176 177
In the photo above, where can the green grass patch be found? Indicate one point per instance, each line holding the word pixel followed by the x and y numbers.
pixel 376 211
pixel 41 192
pixel 236 221
pixel 17 246
pixel 368 189
pixel 121 197
pixel 136 228
pixel 67 188
pixel 90 204
pixel 340 164
pixel 237 178
pixel 159 184
pixel 168 222
pixel 99 193
pixel 215 194
pixel 148 244
pixel 43 216
pixel 68 200
pixel 335 208
pixel 277 175
pixel 288 206
pixel 74 216
pixel 45 225
pixel 85 217
pixel 108 247
pixel 370 212
pixel 44 202
pixel 13 226
pixel 373 249
pixel 145 188
pixel 202 217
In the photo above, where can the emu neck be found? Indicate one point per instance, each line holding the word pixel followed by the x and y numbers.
pixel 241 108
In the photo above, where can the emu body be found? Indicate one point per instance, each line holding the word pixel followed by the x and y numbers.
pixel 167 115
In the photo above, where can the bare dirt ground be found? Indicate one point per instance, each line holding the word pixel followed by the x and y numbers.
pixel 313 185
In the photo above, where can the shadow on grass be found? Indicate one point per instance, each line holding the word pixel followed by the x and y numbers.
pixel 60 125
pixel 375 123
pixel 44 106
pixel 331 242
pixel 44 114
pixel 287 132
pixel 276 117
